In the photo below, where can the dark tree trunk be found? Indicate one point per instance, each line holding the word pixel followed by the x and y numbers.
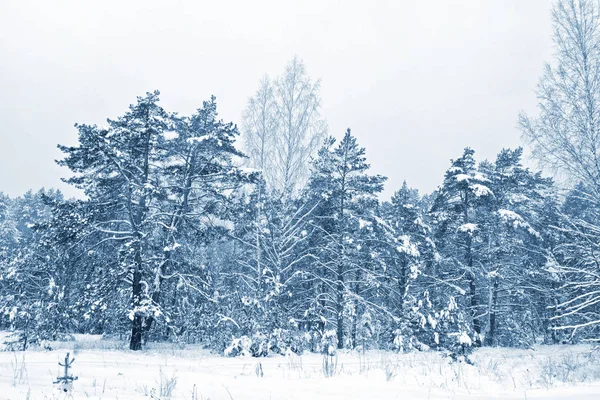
pixel 136 216
pixel 340 308
pixel 473 293
pixel 136 326
pixel 402 283
pixel 340 273
pixel 356 312
pixel 490 339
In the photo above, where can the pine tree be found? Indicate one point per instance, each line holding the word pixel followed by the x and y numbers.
pixel 514 243
pixel 345 198
pixel 459 210
pixel 29 295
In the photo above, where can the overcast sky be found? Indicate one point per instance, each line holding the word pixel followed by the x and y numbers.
pixel 417 81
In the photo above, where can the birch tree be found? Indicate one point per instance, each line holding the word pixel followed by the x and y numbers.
pixel 283 127
pixel 259 125
pixel 565 136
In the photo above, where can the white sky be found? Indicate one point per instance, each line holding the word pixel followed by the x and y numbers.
pixel 417 81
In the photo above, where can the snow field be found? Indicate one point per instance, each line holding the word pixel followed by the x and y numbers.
pixel 164 371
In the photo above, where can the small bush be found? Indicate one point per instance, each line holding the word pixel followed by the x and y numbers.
pixel 279 341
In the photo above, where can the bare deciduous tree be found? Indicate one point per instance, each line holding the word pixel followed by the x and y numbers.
pixel 566 134
pixel 301 128
pixel 259 124
pixel 566 138
pixel 283 127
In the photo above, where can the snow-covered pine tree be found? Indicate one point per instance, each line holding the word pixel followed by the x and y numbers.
pixel 513 258
pixel 159 180
pixel 198 184
pixel 459 210
pixel 8 232
pixel 410 259
pixel 118 169
pixel 345 198
pixel 29 295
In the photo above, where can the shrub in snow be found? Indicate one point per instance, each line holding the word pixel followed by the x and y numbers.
pixel 35 323
pixel 259 344
pixel 283 341
pixel 239 347
pixel 329 342
pixel 427 327
pixel 365 331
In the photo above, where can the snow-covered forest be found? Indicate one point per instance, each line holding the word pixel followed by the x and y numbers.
pixel 276 240
pixel 269 236
pixel 175 241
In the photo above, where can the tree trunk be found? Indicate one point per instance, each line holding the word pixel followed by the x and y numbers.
pixel 356 312
pixel 402 283
pixel 490 339
pixel 340 307
pixel 473 293
pixel 136 218
pixel 136 326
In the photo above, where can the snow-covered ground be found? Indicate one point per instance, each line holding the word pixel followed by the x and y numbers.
pixel 107 371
